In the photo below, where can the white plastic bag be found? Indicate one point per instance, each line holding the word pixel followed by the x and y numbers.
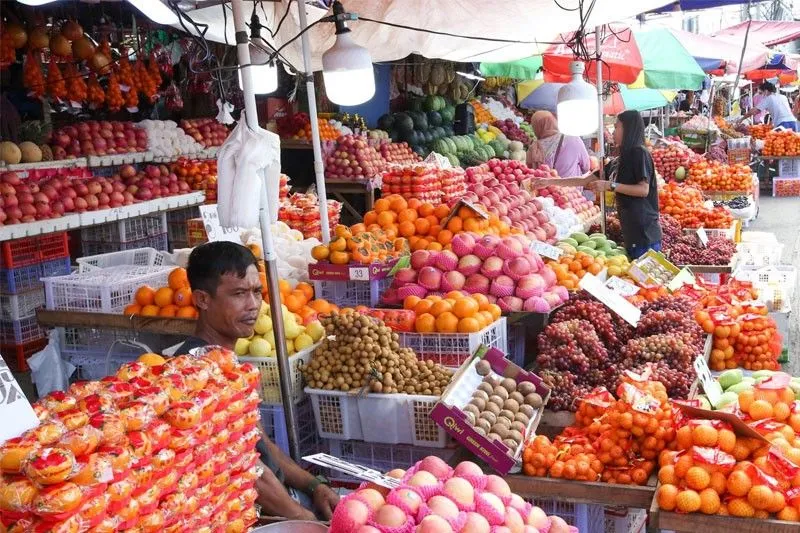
pixel 48 371
pixel 245 160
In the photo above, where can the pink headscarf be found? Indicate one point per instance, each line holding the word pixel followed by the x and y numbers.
pixel 544 125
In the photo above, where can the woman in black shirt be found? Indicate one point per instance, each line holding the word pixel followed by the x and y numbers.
pixel 633 180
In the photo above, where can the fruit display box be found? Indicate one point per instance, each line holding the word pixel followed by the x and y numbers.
pixel 453 349
pixel 270 391
pixel 775 284
pixel 137 257
pixel 352 293
pixel 725 233
pixel 785 187
pixel 653 268
pixel 324 271
pixel 383 418
pixel 449 410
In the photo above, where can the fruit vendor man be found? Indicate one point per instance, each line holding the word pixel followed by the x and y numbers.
pixel 226 289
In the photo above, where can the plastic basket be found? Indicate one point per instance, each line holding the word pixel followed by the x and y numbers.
pixel 789 168
pixel 20 331
pixel 380 457
pixel 274 424
pixel 587 518
pixel 16 355
pixel 30 250
pixel 181 216
pixel 352 293
pixel 137 257
pixel 625 520
pixel 775 284
pixel 270 377
pixel 759 254
pixel 452 349
pixel 19 306
pixel 336 414
pixel 129 229
pixel 158 242
pixel 21 279
pixel 102 291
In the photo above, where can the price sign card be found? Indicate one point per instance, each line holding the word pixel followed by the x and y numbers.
pixel 546 250
pixel 359 273
pixel 703 236
pixel 15 411
pixel 622 287
pixel 361 472
pixel 213 228
pixel 683 277
pixel 710 385
pixel 629 312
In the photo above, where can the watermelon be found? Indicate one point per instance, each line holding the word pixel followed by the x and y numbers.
pixel 403 122
pixel 451 141
pixel 488 150
pixel 428 135
pixel 448 130
pixel 441 146
pixel 394 135
pixel 434 119
pixel 453 160
pixel 385 122
pixel 477 143
pixel 420 121
pixel 434 103
pixel 448 114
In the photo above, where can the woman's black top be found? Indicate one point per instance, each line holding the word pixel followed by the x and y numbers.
pixel 638 216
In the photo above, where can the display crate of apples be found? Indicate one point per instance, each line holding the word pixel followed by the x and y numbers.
pixel 160 446
pixel 425 182
pixel 673 159
pixel 300 211
pixel 354 159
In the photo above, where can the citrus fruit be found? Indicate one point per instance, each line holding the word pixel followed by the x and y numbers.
pixel 667 495
pixel 144 296
pixel 709 501
pixel 178 279
pixel 151 359
pixel 687 501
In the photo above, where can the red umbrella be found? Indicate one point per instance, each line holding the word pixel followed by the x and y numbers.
pixel 621 60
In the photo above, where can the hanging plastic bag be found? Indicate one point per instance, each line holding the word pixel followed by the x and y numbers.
pixel 245 160
pixel 48 371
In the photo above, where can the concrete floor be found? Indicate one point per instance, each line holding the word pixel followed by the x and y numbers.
pixel 781 216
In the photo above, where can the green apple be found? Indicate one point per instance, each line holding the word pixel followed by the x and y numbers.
pixel 259 347
pixel 726 398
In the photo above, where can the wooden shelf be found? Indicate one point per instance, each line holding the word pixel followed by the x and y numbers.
pixel 144 324
pixel 691 523
pixel 595 493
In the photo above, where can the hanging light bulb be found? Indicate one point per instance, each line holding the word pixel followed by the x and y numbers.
pixel 577 104
pixel 347 67
pixel 263 74
pixel 36 2
pixel 156 11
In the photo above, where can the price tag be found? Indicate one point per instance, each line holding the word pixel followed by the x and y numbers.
pixel 681 278
pixel 622 287
pixel 16 412
pixel 710 385
pixel 361 472
pixel 359 273
pixel 703 236
pixel 213 228
pixel 629 312
pixel 546 250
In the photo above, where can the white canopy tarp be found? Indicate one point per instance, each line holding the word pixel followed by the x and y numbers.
pixel 533 21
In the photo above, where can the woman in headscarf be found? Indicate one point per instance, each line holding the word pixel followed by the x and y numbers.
pixel 566 154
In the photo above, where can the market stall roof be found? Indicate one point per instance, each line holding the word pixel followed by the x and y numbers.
pixel 529 22
pixel 766 32
pixel 667 63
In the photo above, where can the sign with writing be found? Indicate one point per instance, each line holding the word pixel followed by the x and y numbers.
pixel 15 411
pixel 359 273
pixel 622 287
pixel 546 250
pixel 214 230
pixel 629 312
pixel 361 472
pixel 703 236
pixel 710 385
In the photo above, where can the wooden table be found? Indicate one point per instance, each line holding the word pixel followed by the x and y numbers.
pixel 339 188
pixel 593 493
pixel 694 522
pixel 137 323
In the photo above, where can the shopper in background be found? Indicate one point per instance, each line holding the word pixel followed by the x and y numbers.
pixel 687 104
pixel 632 177
pixel 720 106
pixel 226 290
pixel 568 155
pixel 776 105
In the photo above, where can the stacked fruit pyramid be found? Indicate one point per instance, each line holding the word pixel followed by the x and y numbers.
pixel 166 448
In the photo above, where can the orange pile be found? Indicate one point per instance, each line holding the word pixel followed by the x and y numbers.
pixel 782 143
pixel 570 269
pixel 685 203
pixel 174 300
pixel 327 132
pixel 301 301
pixel 759 131
pixel 716 176
pixel 482 115
pixel 455 313
pixel 359 245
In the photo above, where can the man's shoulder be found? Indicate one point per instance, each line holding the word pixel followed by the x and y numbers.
pixel 190 344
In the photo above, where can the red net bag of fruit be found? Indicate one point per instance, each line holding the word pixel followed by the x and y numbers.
pixel 593 405
pixel 756 347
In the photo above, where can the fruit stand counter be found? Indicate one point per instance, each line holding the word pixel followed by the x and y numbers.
pixel 693 522
pixel 339 188
pixel 145 324
pixel 593 493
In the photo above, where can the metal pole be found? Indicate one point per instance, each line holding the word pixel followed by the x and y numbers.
pixel 270 257
pixel 319 171
pixel 601 148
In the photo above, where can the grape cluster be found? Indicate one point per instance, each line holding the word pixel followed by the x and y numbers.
pixel 563 389
pixel 571 345
pixel 678 382
pixel 689 251
pixel 670 303
pixel 670 348
pixel 671 230
pixel 671 322
pixel 598 316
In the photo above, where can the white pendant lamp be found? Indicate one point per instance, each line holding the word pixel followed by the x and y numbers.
pixel 156 11
pixel 264 74
pixel 577 104
pixel 347 67
pixel 36 3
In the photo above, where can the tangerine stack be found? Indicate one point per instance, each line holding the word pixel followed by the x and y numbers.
pixel 174 300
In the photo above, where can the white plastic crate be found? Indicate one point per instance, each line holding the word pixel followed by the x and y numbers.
pixel 725 233
pixel 130 229
pixel 107 290
pixel 20 331
pixel 759 254
pixel 158 242
pixel 23 305
pixel 137 257
pixel 352 293
pixel 336 414
pixel 789 168
pixel 587 518
pixel 775 284
pixel 452 349
pixel 270 377
pixel 274 424
pixel 380 457
pixel 624 520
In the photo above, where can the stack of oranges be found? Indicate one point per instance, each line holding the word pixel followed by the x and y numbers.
pixel 453 313
pixel 569 269
pixel 174 300
pixel 782 143
pixel 359 245
pixel 744 335
pixel 301 301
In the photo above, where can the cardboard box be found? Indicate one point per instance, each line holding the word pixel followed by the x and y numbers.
pixel 324 271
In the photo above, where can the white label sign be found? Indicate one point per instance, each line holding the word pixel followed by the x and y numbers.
pixel 710 385
pixel 359 273
pixel 622 287
pixel 546 250
pixel 629 312
pixel 681 278
pixel 213 228
pixel 15 411
pixel 361 472
pixel 703 236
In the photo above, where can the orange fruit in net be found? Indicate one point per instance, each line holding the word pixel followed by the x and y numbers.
pixel 182 297
pixel 778 502
pixel 144 296
pixel 718 482
pixel 726 440
pixel 150 310
pixel 789 514
pixel 687 501
pixel 667 497
pixel 683 465
pixel 178 279
pixel 739 507
pixel 703 435
pixel 709 501
pixel 163 297
pixel 666 474
pixel 760 497
pixel 761 409
pixel 697 478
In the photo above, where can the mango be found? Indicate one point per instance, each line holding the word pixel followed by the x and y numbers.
pixel 730 378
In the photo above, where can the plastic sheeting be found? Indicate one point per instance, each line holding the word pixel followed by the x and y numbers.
pixel 766 32
pixel 535 21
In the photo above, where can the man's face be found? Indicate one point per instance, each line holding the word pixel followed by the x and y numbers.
pixel 232 310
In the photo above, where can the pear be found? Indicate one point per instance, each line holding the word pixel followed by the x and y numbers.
pixel 303 341
pixel 242 346
pixel 263 324
pixel 264 308
pixel 292 329
pixel 315 329
pixel 259 347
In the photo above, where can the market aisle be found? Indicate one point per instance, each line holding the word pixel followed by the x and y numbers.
pixel 781 216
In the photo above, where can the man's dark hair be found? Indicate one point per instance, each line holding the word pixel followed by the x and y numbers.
pixel 208 262
pixel 767 86
pixel 632 130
